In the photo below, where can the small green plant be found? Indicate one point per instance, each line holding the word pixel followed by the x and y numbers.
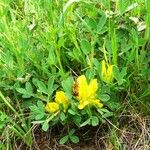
pixel 78 106
pixel 70 136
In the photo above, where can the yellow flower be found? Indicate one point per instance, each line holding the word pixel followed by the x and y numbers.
pixel 107 72
pixel 97 103
pixel 61 98
pixel 87 92
pixel 52 107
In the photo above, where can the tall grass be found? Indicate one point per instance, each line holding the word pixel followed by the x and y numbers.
pixel 56 39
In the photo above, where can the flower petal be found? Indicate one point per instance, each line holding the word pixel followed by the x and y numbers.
pixel 93 86
pixel 110 74
pixel 82 87
pixel 82 104
pixel 103 73
pixel 97 103
pixel 107 72
pixel 61 98
pixel 52 107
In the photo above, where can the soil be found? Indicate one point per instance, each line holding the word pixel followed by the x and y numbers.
pixel 89 140
pixel 133 133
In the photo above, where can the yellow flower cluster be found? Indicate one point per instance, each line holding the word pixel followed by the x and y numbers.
pixel 107 72
pixel 86 93
pixel 60 99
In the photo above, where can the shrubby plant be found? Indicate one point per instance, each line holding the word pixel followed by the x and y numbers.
pixel 85 104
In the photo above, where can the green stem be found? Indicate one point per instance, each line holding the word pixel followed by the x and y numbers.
pixel 6 102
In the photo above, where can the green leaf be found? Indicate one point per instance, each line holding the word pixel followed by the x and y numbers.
pixel 85 46
pixel 104 97
pixel 38 111
pixel 116 73
pixel 102 22
pixel 75 54
pixel 21 90
pixel 108 114
pixel 105 113
pixel 72 112
pixel 33 108
pixel 74 138
pixel 94 121
pixel 113 105
pixel 45 126
pixel 121 81
pixel 42 87
pixel 104 29
pixel 71 132
pixel 29 87
pixel 62 116
pixel 27 95
pixel 104 110
pixel 64 139
pixel 24 92
pixel 90 74
pixel 77 120
pixel 92 23
pixel 50 86
pixel 39 116
pixel 51 57
pixel 123 72
pixel 67 86
pixel 40 105
pixel 120 75
pixel 85 123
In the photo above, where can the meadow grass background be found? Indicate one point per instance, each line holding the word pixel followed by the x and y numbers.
pixel 43 39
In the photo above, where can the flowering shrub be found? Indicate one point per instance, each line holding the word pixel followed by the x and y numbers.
pixel 81 103
pixel 84 94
